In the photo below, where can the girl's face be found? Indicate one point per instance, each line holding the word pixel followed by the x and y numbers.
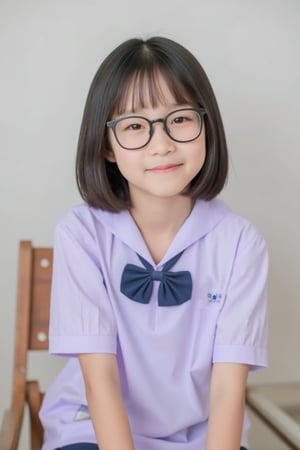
pixel 163 168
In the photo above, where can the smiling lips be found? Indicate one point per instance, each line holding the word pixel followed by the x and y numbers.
pixel 166 168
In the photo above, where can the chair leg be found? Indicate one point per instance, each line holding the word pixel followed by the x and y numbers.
pixel 11 427
pixel 34 399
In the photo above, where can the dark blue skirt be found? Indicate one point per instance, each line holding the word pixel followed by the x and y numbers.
pixel 88 446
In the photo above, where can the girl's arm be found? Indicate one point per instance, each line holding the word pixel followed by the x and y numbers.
pixel 227 405
pixel 101 376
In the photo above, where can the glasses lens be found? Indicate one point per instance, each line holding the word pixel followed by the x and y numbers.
pixel 132 132
pixel 184 125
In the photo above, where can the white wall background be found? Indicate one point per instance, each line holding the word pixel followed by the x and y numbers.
pixel 49 52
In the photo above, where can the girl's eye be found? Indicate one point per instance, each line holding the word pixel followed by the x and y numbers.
pixel 134 126
pixel 131 124
pixel 181 119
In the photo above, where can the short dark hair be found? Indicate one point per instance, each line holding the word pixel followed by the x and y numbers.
pixel 138 61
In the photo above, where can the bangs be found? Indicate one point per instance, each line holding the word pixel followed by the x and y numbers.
pixel 144 89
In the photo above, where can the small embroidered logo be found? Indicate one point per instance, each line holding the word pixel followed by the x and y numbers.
pixel 214 298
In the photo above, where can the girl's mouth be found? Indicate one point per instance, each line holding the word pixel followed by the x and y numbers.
pixel 164 168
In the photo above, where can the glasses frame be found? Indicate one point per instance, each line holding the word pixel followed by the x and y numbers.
pixel 113 123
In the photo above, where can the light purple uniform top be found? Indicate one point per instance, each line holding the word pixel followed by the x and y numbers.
pixel 165 354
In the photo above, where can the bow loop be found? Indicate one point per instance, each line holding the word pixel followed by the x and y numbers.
pixel 136 283
pixel 175 287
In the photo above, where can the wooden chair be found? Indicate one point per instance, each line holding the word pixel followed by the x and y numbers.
pixel 31 333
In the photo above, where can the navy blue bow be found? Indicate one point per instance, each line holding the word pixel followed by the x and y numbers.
pixel 175 287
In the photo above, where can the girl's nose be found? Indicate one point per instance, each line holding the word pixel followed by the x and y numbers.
pixel 160 142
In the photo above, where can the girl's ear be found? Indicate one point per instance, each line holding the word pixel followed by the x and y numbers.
pixel 109 155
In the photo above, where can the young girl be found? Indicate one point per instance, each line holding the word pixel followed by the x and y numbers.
pixel 159 289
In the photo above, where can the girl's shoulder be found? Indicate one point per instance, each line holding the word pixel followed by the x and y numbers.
pixel 86 217
pixel 219 215
pixel 87 225
pixel 225 227
pixel 236 228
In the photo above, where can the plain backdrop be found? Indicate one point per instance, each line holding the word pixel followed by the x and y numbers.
pixel 49 52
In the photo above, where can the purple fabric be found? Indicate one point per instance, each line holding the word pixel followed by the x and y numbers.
pixel 165 355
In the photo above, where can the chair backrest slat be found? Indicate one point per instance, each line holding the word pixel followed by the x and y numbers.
pixel 40 298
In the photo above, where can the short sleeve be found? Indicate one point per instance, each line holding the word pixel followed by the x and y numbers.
pixel 81 314
pixel 241 335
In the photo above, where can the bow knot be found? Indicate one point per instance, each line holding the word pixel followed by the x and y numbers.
pixel 157 275
pixel 175 287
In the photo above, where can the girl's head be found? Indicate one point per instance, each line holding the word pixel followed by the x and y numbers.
pixel 134 69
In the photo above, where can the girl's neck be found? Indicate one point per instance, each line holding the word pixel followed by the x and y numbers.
pixel 159 222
